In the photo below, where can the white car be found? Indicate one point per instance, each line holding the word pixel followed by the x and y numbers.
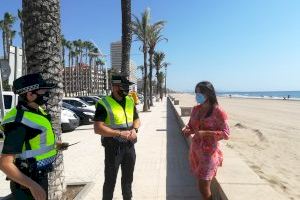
pixel 79 103
pixel 69 120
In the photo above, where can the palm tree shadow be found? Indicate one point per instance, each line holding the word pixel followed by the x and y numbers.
pixel 180 182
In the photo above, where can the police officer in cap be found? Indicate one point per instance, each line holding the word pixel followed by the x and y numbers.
pixel 117 121
pixel 29 146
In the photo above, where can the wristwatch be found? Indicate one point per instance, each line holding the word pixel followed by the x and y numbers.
pixel 136 130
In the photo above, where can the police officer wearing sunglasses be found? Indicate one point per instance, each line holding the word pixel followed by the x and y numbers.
pixel 117 121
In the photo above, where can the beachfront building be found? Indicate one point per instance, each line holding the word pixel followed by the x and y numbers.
pixel 83 80
pixel 116 62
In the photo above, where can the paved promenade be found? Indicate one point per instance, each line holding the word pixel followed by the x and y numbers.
pixel 161 170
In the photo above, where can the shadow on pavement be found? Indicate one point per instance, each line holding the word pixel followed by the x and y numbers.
pixel 180 182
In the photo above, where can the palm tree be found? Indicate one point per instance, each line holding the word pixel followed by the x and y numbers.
pixel 88 47
pixel 80 47
pixel 72 71
pixel 3 37
pixel 141 67
pixel 160 80
pixel 63 50
pixel 95 54
pixel 6 27
pixel 140 29
pixel 69 46
pixel 43 44
pixel 12 36
pixel 154 38
pixel 91 47
pixel 77 44
pixel 9 20
pixel 158 59
pixel 126 36
pixel 165 65
pixel 23 43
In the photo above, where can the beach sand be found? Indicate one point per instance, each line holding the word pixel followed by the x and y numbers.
pixel 266 134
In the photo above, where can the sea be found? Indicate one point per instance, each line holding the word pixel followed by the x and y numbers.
pixel 285 95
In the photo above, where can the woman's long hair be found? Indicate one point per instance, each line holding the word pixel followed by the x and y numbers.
pixel 208 90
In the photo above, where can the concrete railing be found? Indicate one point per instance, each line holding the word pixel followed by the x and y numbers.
pixel 235 179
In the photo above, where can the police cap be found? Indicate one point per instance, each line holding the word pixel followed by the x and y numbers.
pixel 119 79
pixel 29 83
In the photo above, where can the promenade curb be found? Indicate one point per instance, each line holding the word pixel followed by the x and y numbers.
pixel 85 190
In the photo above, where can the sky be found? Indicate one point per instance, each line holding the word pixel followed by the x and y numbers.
pixel 237 45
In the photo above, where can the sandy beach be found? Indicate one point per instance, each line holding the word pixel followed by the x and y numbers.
pixel 266 134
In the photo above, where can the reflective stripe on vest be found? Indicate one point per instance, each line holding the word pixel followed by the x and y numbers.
pixel 43 145
pixel 117 116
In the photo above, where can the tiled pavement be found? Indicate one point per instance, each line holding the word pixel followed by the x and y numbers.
pixel 161 170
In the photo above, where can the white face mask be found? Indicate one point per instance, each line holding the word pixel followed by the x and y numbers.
pixel 200 98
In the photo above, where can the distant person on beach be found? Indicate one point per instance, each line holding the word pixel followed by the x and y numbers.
pixel 207 125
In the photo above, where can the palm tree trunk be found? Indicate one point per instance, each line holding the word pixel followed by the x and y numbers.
pixel 90 76
pixel 145 106
pixel 4 44
pixel 7 40
pixel 165 81
pixel 64 66
pixel 81 73
pixel 126 36
pixel 95 77
pixel 158 86
pixel 77 76
pixel 150 75
pixel 69 74
pixel 42 35
pixel 72 77
pixel 23 49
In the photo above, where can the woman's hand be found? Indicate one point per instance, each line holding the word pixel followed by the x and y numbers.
pixel 203 133
pixel 186 131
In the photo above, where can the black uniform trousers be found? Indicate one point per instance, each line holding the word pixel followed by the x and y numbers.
pixel 20 192
pixel 116 154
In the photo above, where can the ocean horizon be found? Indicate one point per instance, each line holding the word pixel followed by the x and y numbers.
pixel 290 95
pixel 285 95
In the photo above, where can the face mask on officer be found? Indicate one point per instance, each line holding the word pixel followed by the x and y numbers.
pixel 123 90
pixel 42 98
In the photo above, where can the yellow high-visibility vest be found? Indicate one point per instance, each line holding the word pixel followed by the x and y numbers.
pixel 117 117
pixel 42 146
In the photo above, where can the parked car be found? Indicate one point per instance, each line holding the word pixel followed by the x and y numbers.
pixel 101 96
pixel 85 116
pixel 96 97
pixel 79 103
pixel 89 99
pixel 69 120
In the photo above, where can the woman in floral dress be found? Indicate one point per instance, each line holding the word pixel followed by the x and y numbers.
pixel 207 125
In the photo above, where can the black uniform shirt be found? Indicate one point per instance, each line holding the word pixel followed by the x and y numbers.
pixel 101 113
pixel 17 133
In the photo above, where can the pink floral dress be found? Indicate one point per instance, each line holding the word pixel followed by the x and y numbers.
pixel 205 154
